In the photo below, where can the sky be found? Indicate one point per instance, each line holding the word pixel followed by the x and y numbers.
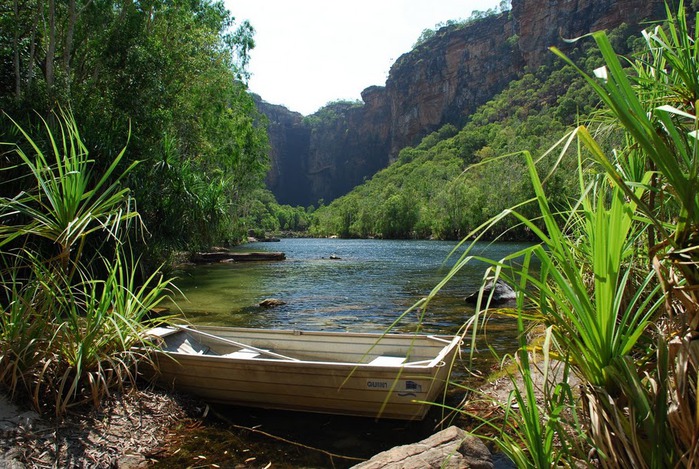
pixel 311 52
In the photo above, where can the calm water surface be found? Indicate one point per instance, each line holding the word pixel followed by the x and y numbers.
pixel 369 288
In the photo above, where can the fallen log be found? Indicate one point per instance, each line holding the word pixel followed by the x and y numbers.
pixel 212 257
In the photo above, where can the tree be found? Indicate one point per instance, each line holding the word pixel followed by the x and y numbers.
pixel 170 72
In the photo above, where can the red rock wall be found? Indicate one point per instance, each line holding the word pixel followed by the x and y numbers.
pixel 543 23
pixel 447 78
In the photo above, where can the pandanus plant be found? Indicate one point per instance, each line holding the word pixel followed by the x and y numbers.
pixel 616 281
pixel 69 321
pixel 67 203
pixel 654 101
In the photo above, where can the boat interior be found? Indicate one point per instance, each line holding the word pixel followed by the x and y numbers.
pixel 390 350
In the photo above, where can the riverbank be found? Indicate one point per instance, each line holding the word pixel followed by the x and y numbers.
pixel 153 428
pixel 128 431
pixel 156 429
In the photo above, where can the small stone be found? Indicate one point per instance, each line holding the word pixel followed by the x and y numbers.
pixel 271 303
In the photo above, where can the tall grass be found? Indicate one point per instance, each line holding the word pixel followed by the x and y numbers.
pixel 586 290
pixel 69 202
pixel 618 274
pixel 69 318
pixel 655 103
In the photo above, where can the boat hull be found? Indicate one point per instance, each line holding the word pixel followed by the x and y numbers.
pixel 372 383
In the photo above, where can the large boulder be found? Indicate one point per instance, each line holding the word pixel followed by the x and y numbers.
pixel 503 293
pixel 451 448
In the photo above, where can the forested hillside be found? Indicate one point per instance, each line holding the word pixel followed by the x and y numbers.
pixel 456 179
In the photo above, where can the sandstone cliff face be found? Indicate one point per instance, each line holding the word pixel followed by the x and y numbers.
pixel 447 78
pixel 347 148
pixel 441 81
pixel 324 155
pixel 289 140
pixel 544 23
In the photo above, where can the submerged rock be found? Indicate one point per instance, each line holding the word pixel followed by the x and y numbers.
pixel 271 303
pixel 503 293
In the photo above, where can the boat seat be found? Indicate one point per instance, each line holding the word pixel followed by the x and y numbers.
pixel 244 353
pixel 387 361
pixel 192 348
pixel 160 332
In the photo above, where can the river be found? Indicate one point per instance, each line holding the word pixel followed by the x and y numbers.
pixel 366 288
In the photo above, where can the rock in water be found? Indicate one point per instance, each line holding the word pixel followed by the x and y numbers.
pixel 451 448
pixel 271 303
pixel 503 293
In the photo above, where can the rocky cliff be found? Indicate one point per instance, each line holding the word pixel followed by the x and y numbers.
pixel 543 23
pixel 289 139
pixel 441 81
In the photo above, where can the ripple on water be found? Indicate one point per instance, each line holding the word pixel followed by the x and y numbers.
pixel 372 284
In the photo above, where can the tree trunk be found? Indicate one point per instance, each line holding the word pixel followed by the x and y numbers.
pixel 68 50
pixel 51 52
pixel 15 58
pixel 32 42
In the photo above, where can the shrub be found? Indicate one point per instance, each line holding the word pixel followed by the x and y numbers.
pixel 69 317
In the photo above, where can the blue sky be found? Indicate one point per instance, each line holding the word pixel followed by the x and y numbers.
pixel 311 52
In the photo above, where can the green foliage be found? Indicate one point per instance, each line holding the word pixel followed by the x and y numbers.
pixel 449 191
pixel 476 15
pixel 173 73
pixel 583 284
pixel 428 33
pixel 332 113
pixel 613 278
pixel 452 193
pixel 655 106
pixel 69 318
pixel 532 431
pixel 264 215
pixel 65 208
pixel 664 97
